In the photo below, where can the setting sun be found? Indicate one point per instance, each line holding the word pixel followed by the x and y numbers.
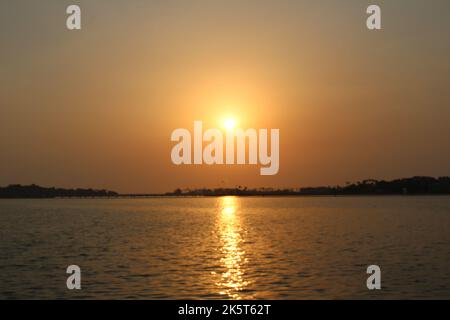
pixel 229 124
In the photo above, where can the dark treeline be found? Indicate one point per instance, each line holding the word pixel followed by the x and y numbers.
pixel 34 191
pixel 407 186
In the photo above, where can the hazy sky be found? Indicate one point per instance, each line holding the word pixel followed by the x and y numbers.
pixel 96 107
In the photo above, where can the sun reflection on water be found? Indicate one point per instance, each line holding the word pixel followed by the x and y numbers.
pixel 232 281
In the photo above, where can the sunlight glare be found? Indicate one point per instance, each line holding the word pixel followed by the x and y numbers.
pixel 229 124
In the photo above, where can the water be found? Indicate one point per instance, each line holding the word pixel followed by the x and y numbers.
pixel 226 248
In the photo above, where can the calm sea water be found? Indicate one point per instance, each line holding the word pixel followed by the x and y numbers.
pixel 232 248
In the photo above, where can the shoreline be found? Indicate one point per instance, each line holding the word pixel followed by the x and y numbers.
pixel 231 195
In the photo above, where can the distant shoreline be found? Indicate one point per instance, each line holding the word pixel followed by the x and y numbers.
pixel 415 186
pixel 277 196
pixel 162 196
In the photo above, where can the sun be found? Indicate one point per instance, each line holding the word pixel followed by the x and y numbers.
pixel 229 124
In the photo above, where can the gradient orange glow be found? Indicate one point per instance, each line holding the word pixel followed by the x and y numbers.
pixel 96 108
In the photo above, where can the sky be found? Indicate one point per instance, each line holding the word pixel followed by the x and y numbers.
pixel 96 107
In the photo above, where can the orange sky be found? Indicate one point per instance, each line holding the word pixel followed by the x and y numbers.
pixel 96 107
